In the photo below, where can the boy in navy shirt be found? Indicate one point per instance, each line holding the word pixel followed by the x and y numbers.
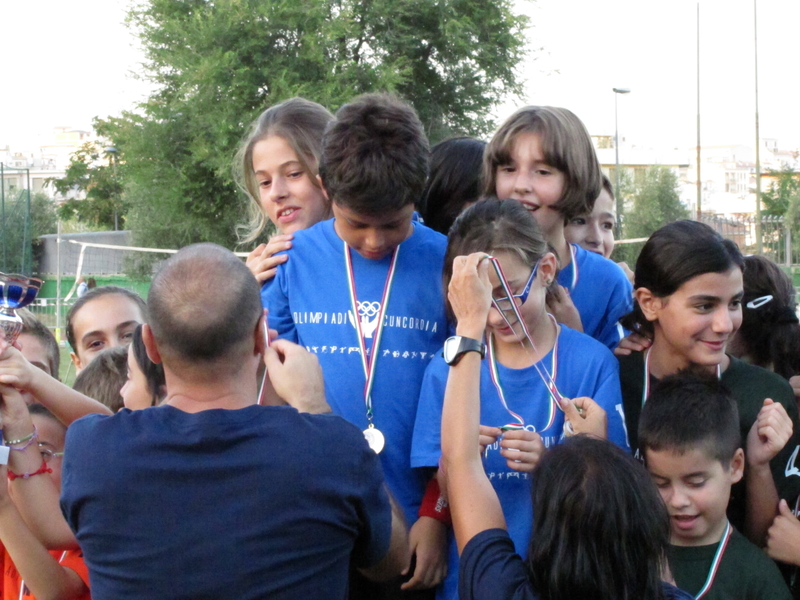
pixel 363 292
pixel 689 436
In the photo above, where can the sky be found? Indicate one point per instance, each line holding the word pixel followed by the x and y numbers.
pixel 67 62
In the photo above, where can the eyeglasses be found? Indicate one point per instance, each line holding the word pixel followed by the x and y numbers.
pixel 505 305
pixel 48 455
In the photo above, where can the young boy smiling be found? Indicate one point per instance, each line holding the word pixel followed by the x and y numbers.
pixel 363 292
pixel 689 436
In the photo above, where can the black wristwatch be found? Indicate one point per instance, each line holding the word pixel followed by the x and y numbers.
pixel 457 346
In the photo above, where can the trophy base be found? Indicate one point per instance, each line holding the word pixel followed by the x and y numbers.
pixel 10 325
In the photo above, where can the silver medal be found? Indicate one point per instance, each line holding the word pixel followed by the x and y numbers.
pixel 374 438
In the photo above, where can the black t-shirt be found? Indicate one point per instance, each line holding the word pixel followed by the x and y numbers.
pixel 749 385
pixel 745 572
pixel 491 569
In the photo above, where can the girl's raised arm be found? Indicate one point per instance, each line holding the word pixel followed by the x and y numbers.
pixel 474 505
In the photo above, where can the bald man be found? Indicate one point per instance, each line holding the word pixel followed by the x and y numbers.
pixel 211 495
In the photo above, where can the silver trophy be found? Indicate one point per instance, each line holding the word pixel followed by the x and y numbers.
pixel 16 291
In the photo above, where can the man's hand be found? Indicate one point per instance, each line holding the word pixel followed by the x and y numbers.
pixel 296 376
pixel 584 415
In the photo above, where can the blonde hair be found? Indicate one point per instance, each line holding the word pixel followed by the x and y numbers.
pixel 302 124
pixel 567 147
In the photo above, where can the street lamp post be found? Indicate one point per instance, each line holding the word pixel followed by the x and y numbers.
pixel 617 92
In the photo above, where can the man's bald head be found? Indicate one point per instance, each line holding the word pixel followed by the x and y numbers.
pixel 204 304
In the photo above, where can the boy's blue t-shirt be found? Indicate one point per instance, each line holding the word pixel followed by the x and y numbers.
pixel 585 368
pixel 601 292
pixel 309 303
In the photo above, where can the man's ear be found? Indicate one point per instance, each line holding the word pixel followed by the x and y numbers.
pixel 322 187
pixel 260 346
pixel 649 303
pixel 150 344
pixel 737 466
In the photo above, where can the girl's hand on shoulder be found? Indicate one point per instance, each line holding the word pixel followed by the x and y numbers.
pixel 769 434
pixel 561 306
pixel 470 293
pixel 627 270
pixel 783 537
pixel 633 342
pixel 263 262
pixel 522 449
pixel 584 415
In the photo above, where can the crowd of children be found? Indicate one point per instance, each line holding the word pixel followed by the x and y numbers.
pixel 474 354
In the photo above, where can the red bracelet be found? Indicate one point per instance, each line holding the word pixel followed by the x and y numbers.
pixel 434 505
pixel 43 469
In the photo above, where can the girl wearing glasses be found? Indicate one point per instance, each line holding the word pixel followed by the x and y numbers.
pixel 29 570
pixel 526 364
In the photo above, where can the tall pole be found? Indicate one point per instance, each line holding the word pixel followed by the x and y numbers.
pixel 617 92
pixel 58 280
pixel 699 180
pixel 759 242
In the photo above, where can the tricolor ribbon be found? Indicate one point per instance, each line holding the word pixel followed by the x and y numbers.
pixel 646 386
pixel 547 378
pixel 712 571
pixel 574 269
pixel 369 362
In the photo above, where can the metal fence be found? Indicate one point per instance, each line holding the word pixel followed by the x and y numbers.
pixel 776 236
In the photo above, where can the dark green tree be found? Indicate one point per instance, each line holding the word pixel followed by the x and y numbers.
pixel 655 202
pixel 20 230
pixel 785 186
pixel 92 173
pixel 218 64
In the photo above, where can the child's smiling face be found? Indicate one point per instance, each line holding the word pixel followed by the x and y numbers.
pixel 529 179
pixel 595 231
pixel 696 488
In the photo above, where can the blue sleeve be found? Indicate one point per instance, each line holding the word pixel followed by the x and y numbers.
pixel 609 397
pixel 275 298
pixel 620 303
pixel 490 568
pixel 375 511
pixel 426 444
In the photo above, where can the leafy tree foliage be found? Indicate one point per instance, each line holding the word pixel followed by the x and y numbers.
pixel 784 188
pixel 218 64
pixel 92 174
pixel 20 230
pixel 655 201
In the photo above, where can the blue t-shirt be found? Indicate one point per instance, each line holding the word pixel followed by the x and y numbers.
pixel 309 303
pixel 601 292
pixel 491 570
pixel 584 368
pixel 261 502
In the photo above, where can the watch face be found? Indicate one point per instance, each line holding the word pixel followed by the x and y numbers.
pixel 451 345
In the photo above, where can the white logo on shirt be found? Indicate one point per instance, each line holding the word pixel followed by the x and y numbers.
pixel 790 468
pixel 368 314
